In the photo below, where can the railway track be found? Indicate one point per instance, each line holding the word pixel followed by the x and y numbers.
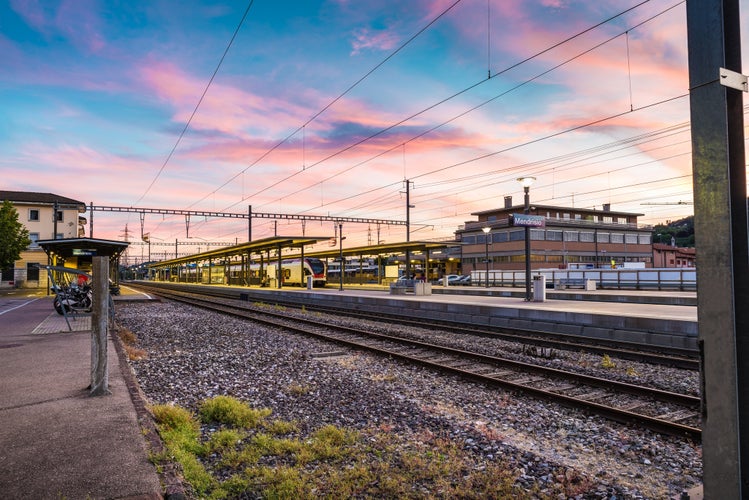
pixel 658 410
pixel 686 359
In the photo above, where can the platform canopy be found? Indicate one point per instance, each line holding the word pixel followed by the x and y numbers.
pixel 385 249
pixel 258 246
pixel 83 247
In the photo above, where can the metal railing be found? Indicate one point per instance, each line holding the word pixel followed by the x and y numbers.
pixel 684 279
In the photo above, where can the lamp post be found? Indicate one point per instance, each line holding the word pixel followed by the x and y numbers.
pixel 486 259
pixel 526 183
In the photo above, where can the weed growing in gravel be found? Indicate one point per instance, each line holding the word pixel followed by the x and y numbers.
pixel 274 459
pixel 129 340
pixel 607 362
pixel 383 377
pixel 298 389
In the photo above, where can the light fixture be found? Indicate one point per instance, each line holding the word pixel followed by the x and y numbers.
pixel 526 182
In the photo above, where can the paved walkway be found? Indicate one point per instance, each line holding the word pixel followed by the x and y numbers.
pixel 55 440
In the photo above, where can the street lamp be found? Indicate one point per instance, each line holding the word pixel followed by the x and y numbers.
pixel 526 183
pixel 486 260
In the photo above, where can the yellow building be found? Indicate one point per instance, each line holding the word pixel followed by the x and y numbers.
pixel 47 216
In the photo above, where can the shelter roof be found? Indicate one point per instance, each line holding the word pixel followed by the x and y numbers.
pixel 76 247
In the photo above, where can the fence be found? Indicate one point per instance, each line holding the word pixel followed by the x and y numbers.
pixel 639 279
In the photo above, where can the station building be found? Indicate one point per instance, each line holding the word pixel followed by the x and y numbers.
pixel 567 238
pixel 47 216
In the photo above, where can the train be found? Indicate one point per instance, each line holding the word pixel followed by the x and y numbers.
pixel 291 271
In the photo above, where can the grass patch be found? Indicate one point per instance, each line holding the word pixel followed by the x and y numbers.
pixel 258 457
pixel 230 411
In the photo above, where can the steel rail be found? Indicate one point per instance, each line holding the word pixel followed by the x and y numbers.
pixel 610 412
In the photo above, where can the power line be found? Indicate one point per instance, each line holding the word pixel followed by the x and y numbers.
pixel 195 110
pixel 301 127
pixel 461 92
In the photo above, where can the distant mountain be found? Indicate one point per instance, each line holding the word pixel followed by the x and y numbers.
pixel 682 232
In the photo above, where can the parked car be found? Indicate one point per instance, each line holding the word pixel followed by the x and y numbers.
pixel 462 280
pixel 449 277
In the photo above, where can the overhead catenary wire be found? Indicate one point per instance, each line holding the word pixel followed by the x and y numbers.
pixel 464 113
pixel 195 110
pixel 432 172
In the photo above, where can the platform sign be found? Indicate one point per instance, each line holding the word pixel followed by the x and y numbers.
pixel 84 251
pixel 525 220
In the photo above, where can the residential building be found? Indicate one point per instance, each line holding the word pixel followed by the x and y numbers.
pixel 47 216
pixel 566 238
pixel 673 256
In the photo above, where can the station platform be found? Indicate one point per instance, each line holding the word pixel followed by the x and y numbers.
pixel 633 316
pixel 56 441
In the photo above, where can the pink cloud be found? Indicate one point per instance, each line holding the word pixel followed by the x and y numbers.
pixel 367 39
pixel 76 20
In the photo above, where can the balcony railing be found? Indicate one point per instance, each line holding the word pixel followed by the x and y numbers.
pixel 555 221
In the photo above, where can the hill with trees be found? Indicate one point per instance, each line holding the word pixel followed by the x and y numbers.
pixel 682 231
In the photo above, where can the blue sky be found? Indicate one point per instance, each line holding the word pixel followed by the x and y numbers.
pixel 327 107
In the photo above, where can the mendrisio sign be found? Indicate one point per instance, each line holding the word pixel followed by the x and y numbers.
pixel 525 220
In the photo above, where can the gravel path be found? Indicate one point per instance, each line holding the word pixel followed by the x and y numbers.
pixel 194 355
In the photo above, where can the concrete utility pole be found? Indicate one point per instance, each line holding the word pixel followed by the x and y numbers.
pixel 100 327
pixel 720 223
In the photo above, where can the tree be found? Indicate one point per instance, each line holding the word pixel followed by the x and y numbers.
pixel 14 238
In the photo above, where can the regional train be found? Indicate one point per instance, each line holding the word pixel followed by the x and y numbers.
pixel 293 273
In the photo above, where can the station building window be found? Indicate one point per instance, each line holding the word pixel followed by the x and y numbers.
pixel 603 237
pixel 537 234
pixel 617 238
pixel 32 271
pixel 554 235
pixel 500 237
pixel 630 238
pixel 60 215
pixel 571 236
pixel 33 215
pixel 587 236
pixel 34 237
pixel 517 235
pixel 643 239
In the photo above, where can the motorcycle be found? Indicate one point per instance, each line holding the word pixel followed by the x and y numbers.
pixel 74 299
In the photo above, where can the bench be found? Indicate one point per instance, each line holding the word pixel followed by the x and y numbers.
pixel 401 287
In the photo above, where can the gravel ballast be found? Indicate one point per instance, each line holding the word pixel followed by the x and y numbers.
pixel 193 355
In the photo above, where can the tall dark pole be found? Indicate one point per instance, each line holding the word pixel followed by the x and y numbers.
pixel 340 254
pixel 408 227
pixel 486 253
pixel 527 209
pixel 720 228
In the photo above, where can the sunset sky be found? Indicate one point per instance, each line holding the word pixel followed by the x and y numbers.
pixel 328 107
